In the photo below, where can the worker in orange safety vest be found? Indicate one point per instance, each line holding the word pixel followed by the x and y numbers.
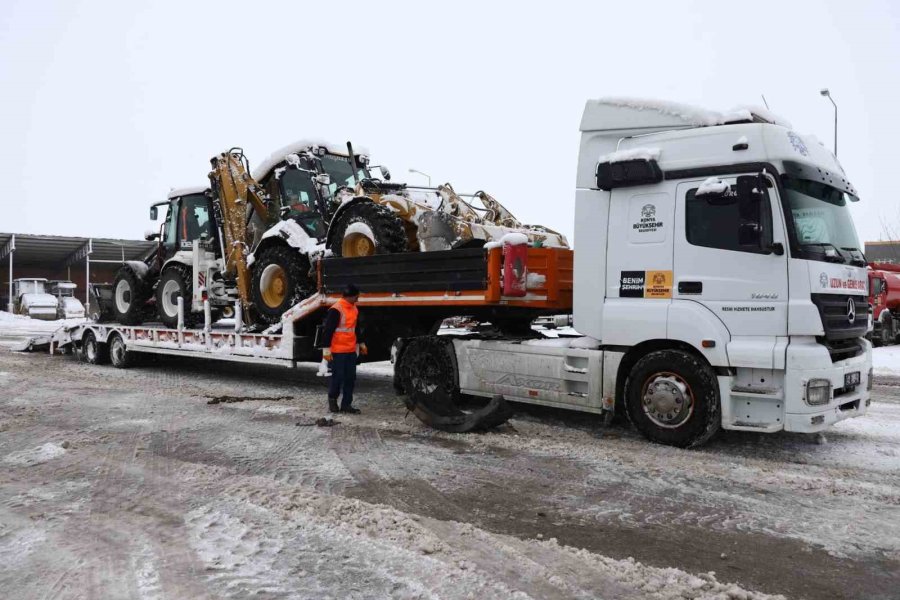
pixel 342 348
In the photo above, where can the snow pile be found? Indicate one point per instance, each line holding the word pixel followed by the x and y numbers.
pixel 513 238
pixel 360 228
pixel 294 235
pixel 583 343
pixel 299 146
pixel 186 191
pixel 631 154
pixel 763 113
pixel 886 360
pixel 713 185
pixel 692 115
pixel 586 342
pixel 19 326
pixel 535 281
pixel 34 456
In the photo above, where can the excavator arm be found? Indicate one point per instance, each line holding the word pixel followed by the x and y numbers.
pixel 235 191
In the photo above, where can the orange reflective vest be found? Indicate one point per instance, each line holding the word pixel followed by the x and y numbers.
pixel 344 338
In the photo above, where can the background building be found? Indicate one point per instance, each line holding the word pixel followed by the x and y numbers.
pixel 76 259
pixel 887 251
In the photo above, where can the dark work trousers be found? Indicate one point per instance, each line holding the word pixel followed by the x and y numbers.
pixel 343 377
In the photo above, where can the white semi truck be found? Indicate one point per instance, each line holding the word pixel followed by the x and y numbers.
pixel 717 279
pixel 717 284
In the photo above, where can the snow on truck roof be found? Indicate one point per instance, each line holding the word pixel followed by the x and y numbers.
pixel 186 191
pixel 623 113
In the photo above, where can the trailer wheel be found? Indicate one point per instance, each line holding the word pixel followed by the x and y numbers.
pixel 280 280
pixel 365 229
pixel 119 355
pixel 92 351
pixel 129 296
pixel 175 282
pixel 672 397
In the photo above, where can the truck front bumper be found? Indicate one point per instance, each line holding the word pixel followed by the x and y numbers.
pixel 809 362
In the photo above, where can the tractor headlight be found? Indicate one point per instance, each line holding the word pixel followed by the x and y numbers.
pixel 818 392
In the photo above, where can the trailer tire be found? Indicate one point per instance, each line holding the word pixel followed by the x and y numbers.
pixel 119 355
pixel 366 228
pixel 92 351
pixel 682 407
pixel 129 296
pixel 175 281
pixel 280 280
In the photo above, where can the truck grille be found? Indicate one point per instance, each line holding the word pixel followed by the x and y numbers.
pixel 834 309
pixel 841 349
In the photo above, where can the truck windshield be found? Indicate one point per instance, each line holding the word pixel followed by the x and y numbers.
pixel 822 221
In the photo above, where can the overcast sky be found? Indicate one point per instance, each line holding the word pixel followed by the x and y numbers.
pixel 107 105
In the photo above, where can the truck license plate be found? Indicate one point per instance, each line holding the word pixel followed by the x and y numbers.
pixel 851 379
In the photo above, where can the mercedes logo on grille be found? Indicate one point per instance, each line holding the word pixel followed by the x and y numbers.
pixel 851 311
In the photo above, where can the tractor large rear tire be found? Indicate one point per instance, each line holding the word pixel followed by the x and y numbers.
pixel 280 280
pixel 366 228
pixel 130 294
pixel 174 282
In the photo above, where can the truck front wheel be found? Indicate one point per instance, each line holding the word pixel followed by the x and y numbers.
pixel 672 397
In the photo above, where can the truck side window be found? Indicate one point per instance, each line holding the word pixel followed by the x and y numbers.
pixel 738 220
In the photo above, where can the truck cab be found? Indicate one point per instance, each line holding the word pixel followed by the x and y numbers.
pixel 730 237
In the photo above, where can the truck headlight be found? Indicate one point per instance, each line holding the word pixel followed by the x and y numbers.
pixel 870 382
pixel 818 391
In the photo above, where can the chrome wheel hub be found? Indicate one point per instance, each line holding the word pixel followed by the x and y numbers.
pixel 667 400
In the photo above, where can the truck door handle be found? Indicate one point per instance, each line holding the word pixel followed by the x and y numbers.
pixel 690 287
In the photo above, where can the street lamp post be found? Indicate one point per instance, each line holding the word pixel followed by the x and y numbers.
pixel 827 94
pixel 422 174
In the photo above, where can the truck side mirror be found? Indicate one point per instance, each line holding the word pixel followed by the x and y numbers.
pixel 153 213
pixel 151 235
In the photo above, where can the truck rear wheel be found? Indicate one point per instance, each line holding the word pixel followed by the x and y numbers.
pixel 280 280
pixel 129 296
pixel 175 282
pixel 672 397
pixel 92 351
pixel 365 229
pixel 119 355
pixel 426 371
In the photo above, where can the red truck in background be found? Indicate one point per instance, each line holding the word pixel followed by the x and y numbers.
pixel 884 297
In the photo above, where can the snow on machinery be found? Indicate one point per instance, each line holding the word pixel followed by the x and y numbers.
pixel 255 239
pixel 68 306
pixel 31 299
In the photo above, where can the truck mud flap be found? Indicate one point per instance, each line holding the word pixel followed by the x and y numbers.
pixel 426 373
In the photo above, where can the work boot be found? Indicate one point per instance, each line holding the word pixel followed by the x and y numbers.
pixel 333 405
pixel 350 410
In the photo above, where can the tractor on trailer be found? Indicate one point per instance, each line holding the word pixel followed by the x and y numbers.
pixel 717 284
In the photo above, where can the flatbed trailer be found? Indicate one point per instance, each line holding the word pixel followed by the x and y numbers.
pixel 402 295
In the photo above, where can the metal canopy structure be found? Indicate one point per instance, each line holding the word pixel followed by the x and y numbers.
pixel 26 250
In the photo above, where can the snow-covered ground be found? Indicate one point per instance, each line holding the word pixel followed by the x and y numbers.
pixel 126 483
pixel 886 360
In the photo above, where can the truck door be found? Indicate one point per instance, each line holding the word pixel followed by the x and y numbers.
pixel 730 258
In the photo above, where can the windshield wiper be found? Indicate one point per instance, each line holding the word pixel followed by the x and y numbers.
pixel 860 262
pixel 836 257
